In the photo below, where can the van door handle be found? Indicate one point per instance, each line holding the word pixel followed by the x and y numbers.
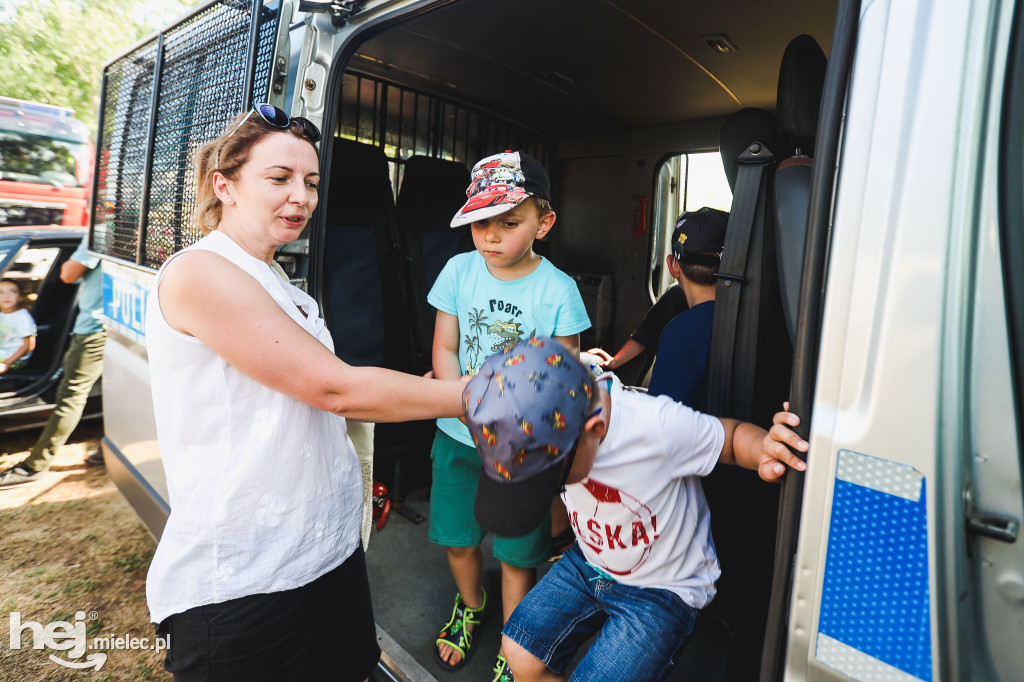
pixel 1002 528
pixel 994 526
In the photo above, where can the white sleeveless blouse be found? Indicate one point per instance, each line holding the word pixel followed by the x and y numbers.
pixel 265 491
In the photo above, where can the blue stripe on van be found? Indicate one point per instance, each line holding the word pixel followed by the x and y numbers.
pixel 875 596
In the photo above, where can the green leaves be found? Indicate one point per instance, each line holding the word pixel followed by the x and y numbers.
pixel 53 51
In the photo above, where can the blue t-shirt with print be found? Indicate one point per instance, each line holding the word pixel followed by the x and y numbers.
pixel 494 313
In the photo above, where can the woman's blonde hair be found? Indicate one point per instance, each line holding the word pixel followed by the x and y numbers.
pixel 227 154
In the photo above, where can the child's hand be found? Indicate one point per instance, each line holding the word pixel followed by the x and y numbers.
pixel 774 453
pixel 607 361
pixel 3 367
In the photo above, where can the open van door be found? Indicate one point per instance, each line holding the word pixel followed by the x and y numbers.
pixel 907 564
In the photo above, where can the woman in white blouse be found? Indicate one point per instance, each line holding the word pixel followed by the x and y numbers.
pixel 259 573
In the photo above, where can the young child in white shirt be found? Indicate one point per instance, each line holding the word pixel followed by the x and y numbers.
pixel 644 563
pixel 17 328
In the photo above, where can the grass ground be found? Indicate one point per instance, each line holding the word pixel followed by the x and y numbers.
pixel 71 544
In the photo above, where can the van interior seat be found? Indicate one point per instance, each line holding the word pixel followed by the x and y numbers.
pixel 739 369
pixel 748 375
pixel 363 295
pixel 432 192
pixel 801 80
pixel 738 131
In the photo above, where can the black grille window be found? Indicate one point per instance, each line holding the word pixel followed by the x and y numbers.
pixel 198 70
pixel 128 92
pixel 405 122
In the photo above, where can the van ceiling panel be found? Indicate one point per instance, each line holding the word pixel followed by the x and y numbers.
pixel 580 67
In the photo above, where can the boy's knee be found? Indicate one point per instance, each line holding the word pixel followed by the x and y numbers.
pixel 525 666
pixel 462 552
pixel 518 572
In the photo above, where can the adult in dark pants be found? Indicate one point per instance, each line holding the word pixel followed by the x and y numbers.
pixel 259 573
pixel 83 365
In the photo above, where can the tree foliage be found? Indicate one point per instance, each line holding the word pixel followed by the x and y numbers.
pixel 53 51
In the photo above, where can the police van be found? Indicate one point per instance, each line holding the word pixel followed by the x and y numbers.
pixel 870 154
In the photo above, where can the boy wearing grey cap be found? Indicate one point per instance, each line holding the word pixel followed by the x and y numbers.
pixel 629 467
pixel 488 300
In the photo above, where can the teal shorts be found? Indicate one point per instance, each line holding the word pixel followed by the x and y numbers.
pixel 452 496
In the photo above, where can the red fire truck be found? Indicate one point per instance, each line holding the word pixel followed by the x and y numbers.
pixel 46 160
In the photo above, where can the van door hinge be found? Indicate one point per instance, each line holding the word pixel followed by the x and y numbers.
pixel 340 10
pixel 994 526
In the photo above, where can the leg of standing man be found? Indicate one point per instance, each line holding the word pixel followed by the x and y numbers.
pixel 83 365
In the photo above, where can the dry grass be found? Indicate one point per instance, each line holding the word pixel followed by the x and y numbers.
pixel 71 543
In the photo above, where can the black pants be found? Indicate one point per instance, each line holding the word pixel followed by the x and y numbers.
pixel 320 631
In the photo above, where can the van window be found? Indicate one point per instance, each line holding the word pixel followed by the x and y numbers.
pixel 407 122
pixel 31 268
pixel 684 182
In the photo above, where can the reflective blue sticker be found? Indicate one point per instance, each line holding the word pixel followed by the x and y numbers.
pixel 125 293
pixel 875 597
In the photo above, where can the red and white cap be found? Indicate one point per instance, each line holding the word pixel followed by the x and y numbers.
pixel 501 182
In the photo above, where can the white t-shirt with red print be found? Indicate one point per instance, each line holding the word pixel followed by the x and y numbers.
pixel 641 516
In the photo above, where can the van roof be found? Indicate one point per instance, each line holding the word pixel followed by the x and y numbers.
pixel 577 67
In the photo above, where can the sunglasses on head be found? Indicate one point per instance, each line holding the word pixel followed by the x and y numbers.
pixel 276 118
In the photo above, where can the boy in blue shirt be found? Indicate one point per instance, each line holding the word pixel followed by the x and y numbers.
pixel 680 368
pixel 488 300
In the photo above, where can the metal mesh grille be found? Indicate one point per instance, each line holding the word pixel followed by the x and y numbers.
pixel 202 81
pixel 201 85
pixel 122 153
pixel 265 53
pixel 404 122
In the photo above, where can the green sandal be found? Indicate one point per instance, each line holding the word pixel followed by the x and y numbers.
pixel 455 633
pixel 502 673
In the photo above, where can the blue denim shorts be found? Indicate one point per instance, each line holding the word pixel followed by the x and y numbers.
pixel 640 631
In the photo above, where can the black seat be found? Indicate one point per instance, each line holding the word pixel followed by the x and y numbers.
pixel 801 79
pixel 431 193
pixel 364 296
pixel 748 375
pixel 364 301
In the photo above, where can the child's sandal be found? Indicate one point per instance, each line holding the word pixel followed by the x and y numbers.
pixel 502 673
pixel 455 633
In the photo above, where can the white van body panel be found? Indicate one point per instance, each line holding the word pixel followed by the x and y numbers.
pixel 897 358
pixel 992 620
pixel 129 414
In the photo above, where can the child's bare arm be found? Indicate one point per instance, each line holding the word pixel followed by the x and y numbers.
pixel 572 343
pixel 445 353
pixel 751 447
pixel 28 344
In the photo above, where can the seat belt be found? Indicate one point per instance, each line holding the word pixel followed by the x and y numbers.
pixel 738 275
